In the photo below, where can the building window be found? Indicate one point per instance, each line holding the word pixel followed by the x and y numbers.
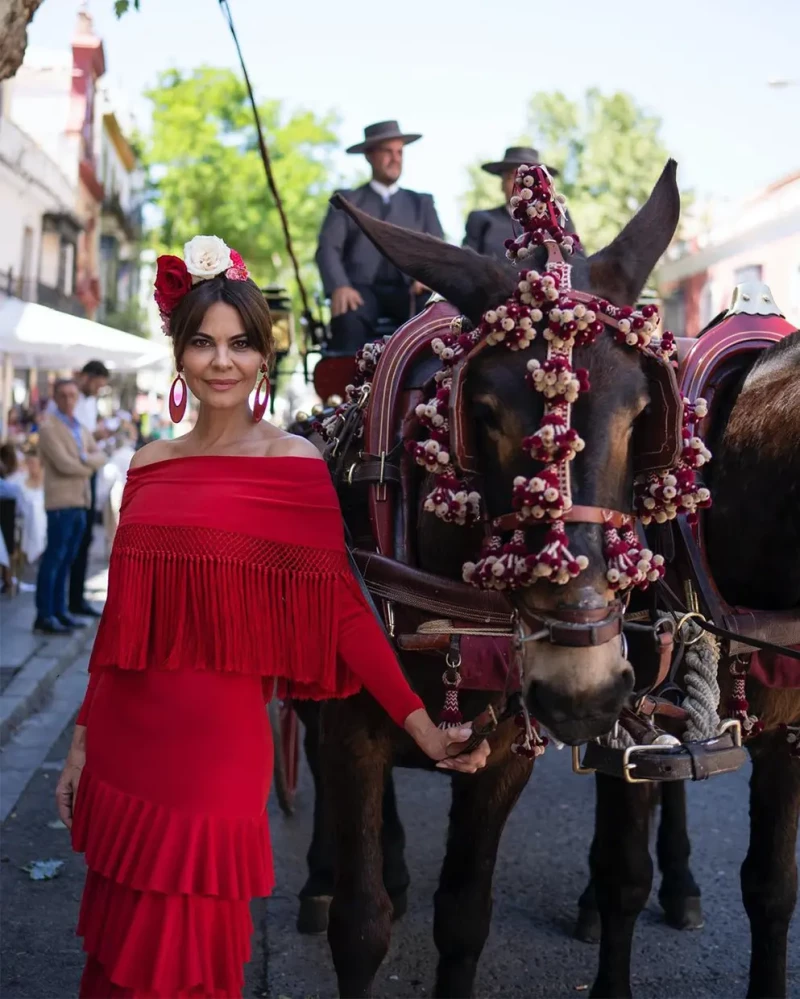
pixel 26 269
pixel 675 313
pixel 746 275
pixel 706 305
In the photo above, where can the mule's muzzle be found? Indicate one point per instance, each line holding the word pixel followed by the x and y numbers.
pixel 576 716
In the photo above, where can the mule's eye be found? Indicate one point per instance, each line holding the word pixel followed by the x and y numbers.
pixel 482 412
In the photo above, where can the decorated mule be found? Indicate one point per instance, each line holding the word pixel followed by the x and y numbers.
pixel 737 572
pixel 492 461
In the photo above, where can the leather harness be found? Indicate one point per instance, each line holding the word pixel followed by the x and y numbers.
pixel 656 445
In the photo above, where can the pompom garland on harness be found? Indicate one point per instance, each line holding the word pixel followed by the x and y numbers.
pixel 546 303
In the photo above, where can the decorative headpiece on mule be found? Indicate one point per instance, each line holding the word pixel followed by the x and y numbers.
pixel 567 319
pixel 204 258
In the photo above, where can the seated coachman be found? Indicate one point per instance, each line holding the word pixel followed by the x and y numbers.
pixel 362 285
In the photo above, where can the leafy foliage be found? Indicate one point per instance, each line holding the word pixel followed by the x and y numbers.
pixel 609 152
pixel 122 6
pixel 207 175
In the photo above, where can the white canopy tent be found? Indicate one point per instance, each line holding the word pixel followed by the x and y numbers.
pixel 33 335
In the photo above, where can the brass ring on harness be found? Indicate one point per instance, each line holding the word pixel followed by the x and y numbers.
pixel 687 617
pixel 350 473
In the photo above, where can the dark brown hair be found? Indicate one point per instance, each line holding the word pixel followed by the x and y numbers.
pixel 8 457
pixel 244 296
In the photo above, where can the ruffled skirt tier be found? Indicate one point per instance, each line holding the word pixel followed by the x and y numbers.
pixel 171 815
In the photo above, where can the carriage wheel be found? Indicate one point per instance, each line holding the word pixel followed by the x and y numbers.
pixel 286 742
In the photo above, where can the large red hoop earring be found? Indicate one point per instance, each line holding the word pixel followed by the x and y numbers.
pixel 262 396
pixel 177 408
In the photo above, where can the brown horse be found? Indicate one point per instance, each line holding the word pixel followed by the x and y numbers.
pixel 576 692
pixel 753 533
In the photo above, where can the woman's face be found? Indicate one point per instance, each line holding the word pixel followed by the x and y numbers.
pixel 220 366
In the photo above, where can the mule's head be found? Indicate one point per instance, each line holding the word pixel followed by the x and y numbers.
pixel 577 692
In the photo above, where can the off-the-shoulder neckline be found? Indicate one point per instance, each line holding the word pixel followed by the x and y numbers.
pixel 217 457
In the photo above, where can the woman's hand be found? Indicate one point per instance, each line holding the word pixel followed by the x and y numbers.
pixel 442 744
pixel 67 786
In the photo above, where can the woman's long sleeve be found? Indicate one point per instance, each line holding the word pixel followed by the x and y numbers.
pixel 365 651
pixel 83 714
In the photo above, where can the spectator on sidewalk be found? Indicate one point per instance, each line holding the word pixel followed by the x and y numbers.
pixel 92 378
pixel 70 457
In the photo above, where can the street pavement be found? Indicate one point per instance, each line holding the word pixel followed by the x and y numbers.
pixel 540 873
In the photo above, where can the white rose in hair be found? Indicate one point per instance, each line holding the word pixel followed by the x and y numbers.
pixel 206 257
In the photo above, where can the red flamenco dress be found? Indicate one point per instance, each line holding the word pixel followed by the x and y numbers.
pixel 227 574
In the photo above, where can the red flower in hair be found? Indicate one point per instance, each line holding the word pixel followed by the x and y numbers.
pixel 238 271
pixel 173 281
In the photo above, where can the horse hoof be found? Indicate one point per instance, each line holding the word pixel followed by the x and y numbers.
pixel 399 906
pixel 313 916
pixel 587 927
pixel 683 913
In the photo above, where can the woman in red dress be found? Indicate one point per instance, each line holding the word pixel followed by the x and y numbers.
pixel 228 575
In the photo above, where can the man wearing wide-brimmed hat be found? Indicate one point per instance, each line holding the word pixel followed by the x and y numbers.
pixel 487 231
pixel 362 285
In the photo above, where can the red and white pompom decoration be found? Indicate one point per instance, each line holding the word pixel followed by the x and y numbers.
pixel 572 324
pixel 510 324
pixel 555 377
pixel 629 564
pixel 528 742
pixel 662 496
pixel 501 566
pixel 555 440
pixel 539 497
pixel 430 454
pixel 540 211
pixel 555 561
pixel 452 501
pixel 433 414
pixel 367 359
pixel 635 328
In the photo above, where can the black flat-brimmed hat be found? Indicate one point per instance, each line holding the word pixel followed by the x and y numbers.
pixel 517 156
pixel 382 131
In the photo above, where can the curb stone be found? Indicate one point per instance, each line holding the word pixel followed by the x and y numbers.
pixel 32 685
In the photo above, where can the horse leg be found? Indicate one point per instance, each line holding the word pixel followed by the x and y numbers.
pixel 395 871
pixel 587 925
pixel 622 872
pixel 679 893
pixel 316 893
pixel 769 871
pixel 357 753
pixel 463 900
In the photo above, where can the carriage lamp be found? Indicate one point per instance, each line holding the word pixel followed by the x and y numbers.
pixel 280 307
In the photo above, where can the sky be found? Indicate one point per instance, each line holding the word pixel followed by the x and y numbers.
pixel 462 71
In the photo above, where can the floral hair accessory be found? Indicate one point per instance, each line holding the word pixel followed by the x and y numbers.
pixel 204 258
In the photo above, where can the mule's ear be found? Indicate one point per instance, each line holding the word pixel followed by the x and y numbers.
pixel 467 280
pixel 620 271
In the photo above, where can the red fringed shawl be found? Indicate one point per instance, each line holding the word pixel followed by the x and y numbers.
pixel 229 564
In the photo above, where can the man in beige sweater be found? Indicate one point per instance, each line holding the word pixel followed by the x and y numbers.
pixel 70 458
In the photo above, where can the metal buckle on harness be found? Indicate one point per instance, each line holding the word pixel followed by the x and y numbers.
pixel 627 766
pixel 732 725
pixel 577 766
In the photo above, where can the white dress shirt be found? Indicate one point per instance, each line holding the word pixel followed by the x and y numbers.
pixel 384 191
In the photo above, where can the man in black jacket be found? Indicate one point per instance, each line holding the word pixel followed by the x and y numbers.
pixel 362 285
pixel 488 230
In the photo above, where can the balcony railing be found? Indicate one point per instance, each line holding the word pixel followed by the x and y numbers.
pixel 55 299
pixel 31 290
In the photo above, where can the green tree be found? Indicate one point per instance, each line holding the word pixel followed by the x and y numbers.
pixel 207 175
pixel 608 150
